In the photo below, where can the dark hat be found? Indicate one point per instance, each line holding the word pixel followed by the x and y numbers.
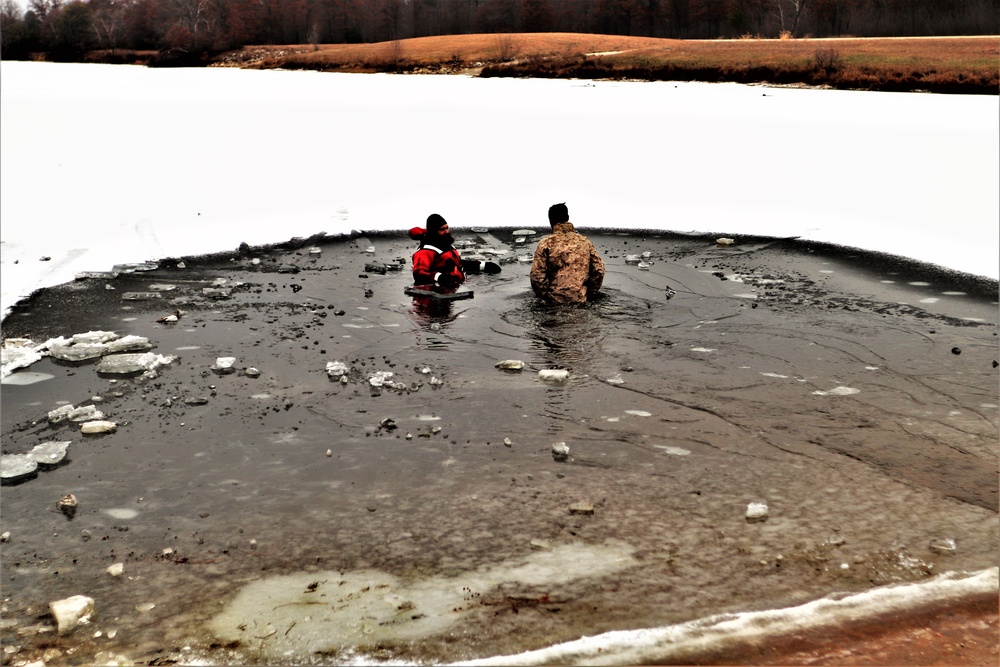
pixel 558 213
pixel 434 223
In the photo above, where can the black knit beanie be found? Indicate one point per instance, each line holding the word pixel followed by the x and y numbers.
pixel 434 223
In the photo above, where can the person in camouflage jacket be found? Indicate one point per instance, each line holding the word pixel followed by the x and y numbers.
pixel 567 267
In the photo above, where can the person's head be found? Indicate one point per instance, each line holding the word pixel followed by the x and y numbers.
pixel 558 213
pixel 437 229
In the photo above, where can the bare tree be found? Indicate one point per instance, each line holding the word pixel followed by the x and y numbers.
pixel 42 8
pixel 794 14
pixel 109 22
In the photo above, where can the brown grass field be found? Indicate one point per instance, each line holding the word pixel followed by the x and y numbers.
pixel 936 64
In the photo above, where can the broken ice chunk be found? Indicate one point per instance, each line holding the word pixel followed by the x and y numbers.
pixel 553 375
pixel 50 453
pixel 123 364
pixel 16 356
pixel 96 427
pixel 336 369
pixel 71 612
pixel 128 344
pixel 17 467
pixel 756 512
pixel 78 352
pixel 85 413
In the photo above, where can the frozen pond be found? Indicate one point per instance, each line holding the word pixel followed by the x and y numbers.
pixel 110 164
pixel 414 511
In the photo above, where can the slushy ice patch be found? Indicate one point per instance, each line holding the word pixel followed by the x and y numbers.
pixel 339 613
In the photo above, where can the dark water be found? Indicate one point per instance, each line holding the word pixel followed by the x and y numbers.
pixel 818 382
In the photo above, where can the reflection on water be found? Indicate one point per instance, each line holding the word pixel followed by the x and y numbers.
pixel 575 336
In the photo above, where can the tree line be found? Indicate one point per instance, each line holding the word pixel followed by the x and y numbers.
pixel 69 30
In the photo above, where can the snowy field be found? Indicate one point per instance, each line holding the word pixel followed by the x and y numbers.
pixel 112 164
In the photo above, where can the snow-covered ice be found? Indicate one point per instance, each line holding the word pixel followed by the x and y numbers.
pixel 103 165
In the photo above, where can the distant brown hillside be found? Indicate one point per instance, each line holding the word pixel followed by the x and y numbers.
pixel 941 64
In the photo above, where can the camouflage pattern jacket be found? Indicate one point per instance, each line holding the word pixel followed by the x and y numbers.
pixel 567 267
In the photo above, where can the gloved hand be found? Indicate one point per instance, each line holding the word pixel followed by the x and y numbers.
pixel 446 281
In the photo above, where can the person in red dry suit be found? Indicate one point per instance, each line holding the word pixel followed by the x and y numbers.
pixel 436 263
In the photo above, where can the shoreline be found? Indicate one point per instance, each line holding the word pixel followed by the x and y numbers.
pixel 941 627
pixel 839 63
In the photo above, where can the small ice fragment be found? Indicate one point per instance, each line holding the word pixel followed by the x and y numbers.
pixel 85 413
pixel 838 391
pixel 71 612
pixel 336 369
pixel 560 451
pixel 553 375
pixel 756 512
pixel 675 451
pixel 224 364
pixel 60 414
pixel 510 365
pixel 945 546
pixel 68 504
pixel 725 241
pixel 379 378
pixel 50 453
pixel 116 570
pixel 96 427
